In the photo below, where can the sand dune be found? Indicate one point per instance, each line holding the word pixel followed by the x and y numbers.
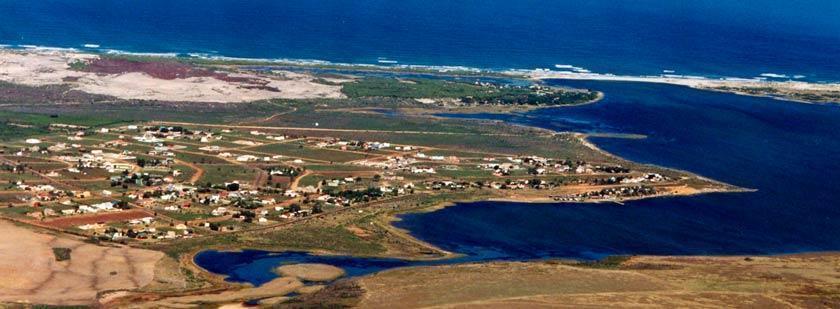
pixel 39 68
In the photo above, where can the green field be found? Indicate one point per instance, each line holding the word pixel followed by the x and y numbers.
pixel 339 168
pixel 219 174
pixel 298 150
pixel 458 174
pixel 466 92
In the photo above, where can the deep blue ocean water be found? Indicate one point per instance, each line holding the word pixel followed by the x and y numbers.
pixel 700 37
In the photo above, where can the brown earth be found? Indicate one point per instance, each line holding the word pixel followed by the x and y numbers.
pixel 32 274
pixel 168 70
pixel 311 272
pixel 798 281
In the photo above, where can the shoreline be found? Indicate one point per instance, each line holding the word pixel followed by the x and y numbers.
pixel 388 219
pixel 784 90
pixel 562 71
pixel 780 88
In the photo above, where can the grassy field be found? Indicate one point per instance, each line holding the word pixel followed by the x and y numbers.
pixel 298 150
pixel 311 180
pixel 465 92
pixel 42 120
pixel 186 216
pixel 461 174
pixel 333 239
pixel 339 167
pixel 797 281
pixel 199 158
pixel 414 88
pixel 219 174
pixel 14 125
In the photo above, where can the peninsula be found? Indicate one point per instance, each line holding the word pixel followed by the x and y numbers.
pixel 119 170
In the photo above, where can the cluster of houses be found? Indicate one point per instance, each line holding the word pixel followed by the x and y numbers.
pixel 159 134
pixel 47 193
pixel 112 162
pixel 153 185
pixel 250 158
pixel 540 166
pixel 273 137
pixel 146 228
pixel 390 163
pixel 69 208
pixel 510 184
pixel 358 145
pixel 615 193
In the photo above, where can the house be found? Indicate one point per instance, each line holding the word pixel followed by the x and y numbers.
pixel 246 158
pixel 147 137
pixel 103 206
pixel 114 167
pixel 421 170
pixel 92 226
pixel 219 211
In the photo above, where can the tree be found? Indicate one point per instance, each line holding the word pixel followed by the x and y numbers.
pixel 294 208
pixel 317 209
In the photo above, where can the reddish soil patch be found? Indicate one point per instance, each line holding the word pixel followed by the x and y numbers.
pixel 280 179
pixel 72 221
pixel 169 70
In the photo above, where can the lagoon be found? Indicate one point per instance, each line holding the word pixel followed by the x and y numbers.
pixel 787 151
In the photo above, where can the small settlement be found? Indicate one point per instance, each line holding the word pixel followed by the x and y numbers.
pixel 150 182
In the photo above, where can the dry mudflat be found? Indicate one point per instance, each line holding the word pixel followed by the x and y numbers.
pixel 32 273
pixel 797 281
pixel 311 272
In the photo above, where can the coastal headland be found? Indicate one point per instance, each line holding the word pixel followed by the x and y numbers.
pixel 214 155
pixel 788 90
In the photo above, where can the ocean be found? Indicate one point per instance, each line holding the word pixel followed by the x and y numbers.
pixel 786 39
